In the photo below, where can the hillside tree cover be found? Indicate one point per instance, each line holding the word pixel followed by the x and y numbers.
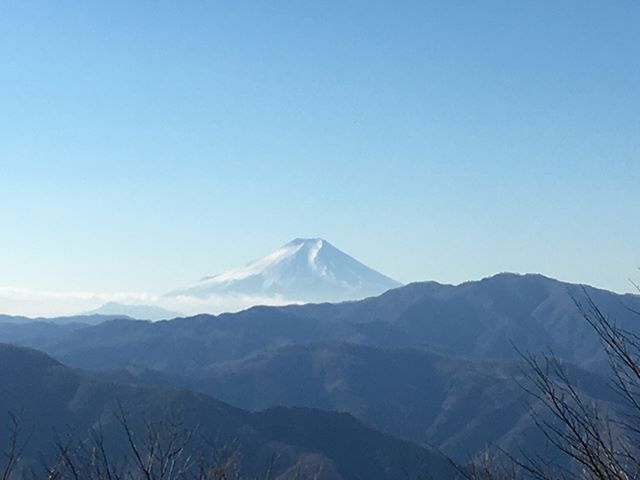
pixel 588 441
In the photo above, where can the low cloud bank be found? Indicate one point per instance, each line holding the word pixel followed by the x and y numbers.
pixel 32 303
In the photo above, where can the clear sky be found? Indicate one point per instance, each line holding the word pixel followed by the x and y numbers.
pixel 144 144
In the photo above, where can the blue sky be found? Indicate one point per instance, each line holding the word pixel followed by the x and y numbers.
pixel 144 144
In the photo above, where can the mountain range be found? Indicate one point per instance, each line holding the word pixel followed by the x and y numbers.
pixel 476 320
pixel 430 363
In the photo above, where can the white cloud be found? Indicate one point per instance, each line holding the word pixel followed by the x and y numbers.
pixel 217 303
pixel 32 303
pixel 21 301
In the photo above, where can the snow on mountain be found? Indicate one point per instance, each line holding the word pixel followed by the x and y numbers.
pixel 304 270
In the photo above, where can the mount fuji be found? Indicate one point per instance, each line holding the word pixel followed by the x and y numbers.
pixel 303 270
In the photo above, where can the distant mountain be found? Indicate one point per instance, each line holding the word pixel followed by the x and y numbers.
pixel 304 270
pixel 87 319
pixel 139 312
pixel 77 401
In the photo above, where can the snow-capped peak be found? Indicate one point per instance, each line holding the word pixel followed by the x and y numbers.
pixel 305 269
pixel 256 266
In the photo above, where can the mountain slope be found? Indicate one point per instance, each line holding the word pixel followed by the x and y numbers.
pixel 453 404
pixel 456 405
pixel 77 401
pixel 304 270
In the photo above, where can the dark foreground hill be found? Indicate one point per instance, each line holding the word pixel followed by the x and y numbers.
pixel 58 402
